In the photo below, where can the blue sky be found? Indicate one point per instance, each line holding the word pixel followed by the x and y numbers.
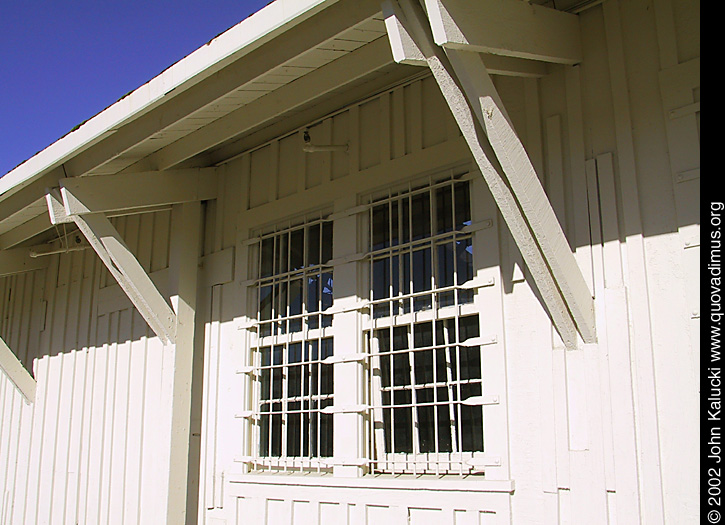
pixel 61 62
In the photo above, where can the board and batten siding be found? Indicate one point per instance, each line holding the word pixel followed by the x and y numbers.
pixel 594 435
pixel 92 448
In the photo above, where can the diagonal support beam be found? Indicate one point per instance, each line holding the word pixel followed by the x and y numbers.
pixel 413 20
pixel 16 372
pixel 526 186
pixel 128 272
pixel 506 27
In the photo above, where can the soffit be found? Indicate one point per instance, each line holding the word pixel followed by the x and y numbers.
pixel 139 156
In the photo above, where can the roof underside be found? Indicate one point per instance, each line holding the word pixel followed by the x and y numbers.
pixel 290 64
pixel 273 89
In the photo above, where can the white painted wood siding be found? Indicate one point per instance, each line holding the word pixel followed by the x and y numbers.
pixel 594 435
pixel 92 448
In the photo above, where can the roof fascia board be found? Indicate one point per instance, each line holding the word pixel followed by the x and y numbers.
pixel 251 33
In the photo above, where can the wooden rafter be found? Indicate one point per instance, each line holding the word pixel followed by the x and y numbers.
pixel 506 27
pixel 136 191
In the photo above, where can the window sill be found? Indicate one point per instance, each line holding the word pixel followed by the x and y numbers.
pixel 379 481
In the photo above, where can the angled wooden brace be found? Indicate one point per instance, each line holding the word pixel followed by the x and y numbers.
pixel 16 372
pixel 414 22
pixel 481 94
pixel 527 188
pixel 123 265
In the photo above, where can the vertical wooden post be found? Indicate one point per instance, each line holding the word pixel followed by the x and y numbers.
pixel 183 266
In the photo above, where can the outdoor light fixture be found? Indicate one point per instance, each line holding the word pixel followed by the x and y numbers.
pixel 311 148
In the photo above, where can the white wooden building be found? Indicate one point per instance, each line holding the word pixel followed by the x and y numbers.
pixel 418 262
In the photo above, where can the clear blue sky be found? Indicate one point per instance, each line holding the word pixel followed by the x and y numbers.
pixel 61 62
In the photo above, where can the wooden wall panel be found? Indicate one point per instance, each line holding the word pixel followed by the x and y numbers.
pixel 89 449
pixel 592 433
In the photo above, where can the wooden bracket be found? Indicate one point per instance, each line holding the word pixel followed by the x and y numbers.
pixel 16 372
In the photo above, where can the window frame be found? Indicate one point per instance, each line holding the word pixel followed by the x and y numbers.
pixel 418 462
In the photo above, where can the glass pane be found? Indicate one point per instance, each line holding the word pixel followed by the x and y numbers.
pixel 282 241
pixel 422 273
pixel 294 373
pixel 421 213
pixel 402 422
pixel 463 205
pixel 297 249
pixel 405 220
pixel 265 303
pixel 313 245
pixel 401 369
pixel 423 335
pixel 264 384
pixel 326 435
pixel 426 420
pixel 446 266
pixel 267 262
pixel 381 225
pixel 445 442
pixel 326 371
pixel 471 420
pixel 276 383
pixel 266 353
pixel 381 278
pixel 326 242
pixel 422 270
pixel 326 291
pixel 464 261
pixel 264 432
pixel 276 449
pixel 295 298
pixel 444 209
pixel 468 327
pixel 294 430
pixel 423 367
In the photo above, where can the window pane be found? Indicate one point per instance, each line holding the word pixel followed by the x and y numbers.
pixel 463 205
pixel 471 420
pixel 294 430
pixel 421 270
pixel 426 420
pixel 402 422
pixel 444 209
pixel 394 223
pixel 381 278
pixel 313 244
pixel 381 225
pixel 291 378
pixel 326 290
pixel 297 249
pixel 282 245
pixel 421 213
pixel 267 262
pixel 326 242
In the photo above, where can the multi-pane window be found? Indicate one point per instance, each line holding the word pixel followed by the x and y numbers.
pixel 293 382
pixel 425 369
